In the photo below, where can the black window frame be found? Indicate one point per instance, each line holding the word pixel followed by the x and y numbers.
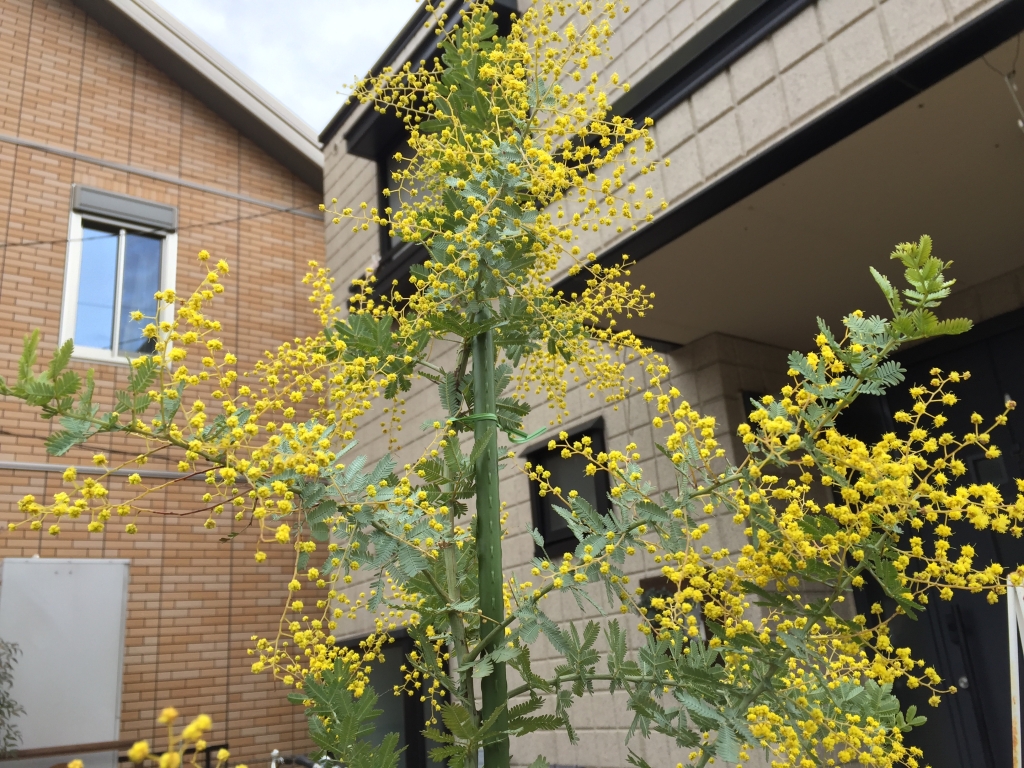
pixel 395 259
pixel 542 506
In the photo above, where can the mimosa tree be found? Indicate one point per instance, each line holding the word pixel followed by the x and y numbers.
pixel 515 163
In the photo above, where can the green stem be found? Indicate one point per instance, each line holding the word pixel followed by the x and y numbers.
pixel 496 632
pixel 451 572
pixel 494 687
pixel 460 368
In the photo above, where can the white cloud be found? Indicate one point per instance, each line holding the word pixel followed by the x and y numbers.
pixel 302 51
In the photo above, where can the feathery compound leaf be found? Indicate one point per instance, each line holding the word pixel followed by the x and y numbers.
pixel 890 293
pixel 410 560
pixel 458 721
pixel 61 359
pixel 37 391
pixel 67 384
pixel 142 374
pixel 28 357
pixel 449 394
pixel 923 274
pixel 60 442
pixel 727 744
pixel 635 759
pixel 383 469
pixel 483 668
pixel 953 326
pixel 524 708
pixel 504 654
pixel 527 725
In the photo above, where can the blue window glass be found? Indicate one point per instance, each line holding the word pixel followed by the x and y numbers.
pixel 97 288
pixel 104 312
pixel 140 280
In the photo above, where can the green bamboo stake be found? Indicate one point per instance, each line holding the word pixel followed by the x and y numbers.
pixel 494 687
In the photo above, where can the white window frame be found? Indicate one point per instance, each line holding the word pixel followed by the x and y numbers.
pixel 73 274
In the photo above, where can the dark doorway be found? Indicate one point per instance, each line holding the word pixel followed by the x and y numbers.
pixel 964 639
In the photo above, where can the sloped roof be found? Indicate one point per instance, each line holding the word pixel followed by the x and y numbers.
pixel 220 85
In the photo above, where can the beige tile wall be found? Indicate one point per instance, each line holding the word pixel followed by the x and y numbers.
pixel 821 57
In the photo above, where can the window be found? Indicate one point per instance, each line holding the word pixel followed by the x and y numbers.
pixel 569 475
pixel 405 715
pixel 390 165
pixel 396 255
pixel 121 251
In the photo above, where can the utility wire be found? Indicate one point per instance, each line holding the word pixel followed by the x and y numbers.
pixel 999 72
pixel 149 231
pixel 1010 78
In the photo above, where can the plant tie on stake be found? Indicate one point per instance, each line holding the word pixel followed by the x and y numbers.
pixel 517 436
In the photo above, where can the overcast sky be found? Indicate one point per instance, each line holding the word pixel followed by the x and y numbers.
pixel 302 51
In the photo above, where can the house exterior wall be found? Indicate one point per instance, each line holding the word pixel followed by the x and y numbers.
pixel 821 57
pixel 825 55
pixel 69 85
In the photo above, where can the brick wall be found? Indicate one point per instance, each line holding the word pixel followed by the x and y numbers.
pixel 68 83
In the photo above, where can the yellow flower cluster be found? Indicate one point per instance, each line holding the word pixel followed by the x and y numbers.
pixel 521 164
pixel 884 495
pixel 183 748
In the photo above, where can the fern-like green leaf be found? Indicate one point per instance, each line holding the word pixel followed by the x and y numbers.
pixel 66 384
pixel 28 357
pixel 61 359
pixel 953 326
pixel 60 442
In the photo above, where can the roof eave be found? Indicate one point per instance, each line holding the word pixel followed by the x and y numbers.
pixel 222 87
